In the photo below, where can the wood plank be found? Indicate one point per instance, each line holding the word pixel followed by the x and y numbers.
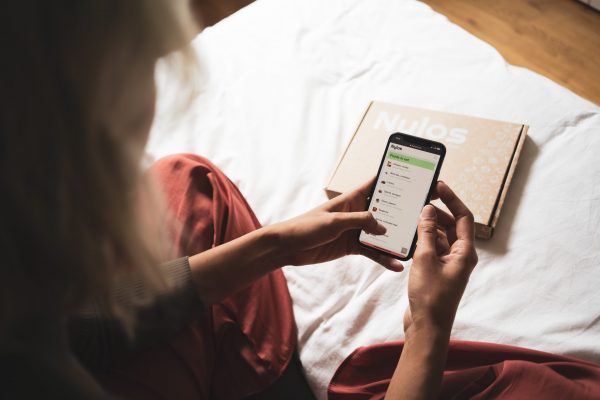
pixel 209 12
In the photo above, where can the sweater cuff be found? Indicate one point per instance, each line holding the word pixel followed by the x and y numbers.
pixel 179 273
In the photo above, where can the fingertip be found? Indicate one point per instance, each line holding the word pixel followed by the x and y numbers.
pixel 385 261
pixel 399 267
pixel 444 188
pixel 366 187
pixel 374 226
pixel 428 212
pixel 393 265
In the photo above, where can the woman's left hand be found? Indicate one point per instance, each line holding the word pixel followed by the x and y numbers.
pixel 331 231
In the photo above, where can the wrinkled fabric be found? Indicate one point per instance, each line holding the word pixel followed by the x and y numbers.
pixel 235 348
pixel 474 370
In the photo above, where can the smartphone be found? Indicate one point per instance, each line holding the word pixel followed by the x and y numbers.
pixel 407 174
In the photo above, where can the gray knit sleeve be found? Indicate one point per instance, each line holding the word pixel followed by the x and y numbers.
pixel 97 339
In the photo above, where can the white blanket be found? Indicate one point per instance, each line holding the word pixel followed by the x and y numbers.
pixel 287 82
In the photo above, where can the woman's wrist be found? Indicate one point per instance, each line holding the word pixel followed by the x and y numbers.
pixel 224 269
pixel 272 248
pixel 439 318
pixel 427 333
pixel 279 242
pixel 421 365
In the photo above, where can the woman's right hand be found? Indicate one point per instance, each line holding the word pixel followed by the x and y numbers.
pixel 442 264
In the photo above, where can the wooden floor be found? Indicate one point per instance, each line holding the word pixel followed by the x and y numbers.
pixel 556 38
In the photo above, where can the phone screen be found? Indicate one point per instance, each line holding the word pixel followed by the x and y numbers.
pixel 402 188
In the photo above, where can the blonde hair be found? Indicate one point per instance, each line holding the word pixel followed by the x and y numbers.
pixel 69 229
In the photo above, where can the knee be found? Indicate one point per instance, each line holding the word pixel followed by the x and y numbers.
pixel 177 163
pixel 187 169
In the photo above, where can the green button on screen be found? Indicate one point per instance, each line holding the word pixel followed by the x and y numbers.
pixel 411 160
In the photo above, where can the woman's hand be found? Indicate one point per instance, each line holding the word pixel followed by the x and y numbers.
pixel 441 267
pixel 325 233
pixel 442 264
pixel 331 231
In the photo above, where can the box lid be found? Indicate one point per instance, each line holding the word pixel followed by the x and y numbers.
pixel 480 159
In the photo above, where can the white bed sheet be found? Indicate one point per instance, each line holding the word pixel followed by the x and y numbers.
pixel 287 84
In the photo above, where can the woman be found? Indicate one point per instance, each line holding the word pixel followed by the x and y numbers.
pixel 87 308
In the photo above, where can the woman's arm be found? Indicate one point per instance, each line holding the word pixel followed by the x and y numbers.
pixel 224 269
pixel 418 374
pixel 442 264
pixel 323 234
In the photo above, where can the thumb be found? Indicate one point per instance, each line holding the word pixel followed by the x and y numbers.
pixel 359 220
pixel 427 229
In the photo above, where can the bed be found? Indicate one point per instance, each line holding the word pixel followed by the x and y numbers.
pixel 287 83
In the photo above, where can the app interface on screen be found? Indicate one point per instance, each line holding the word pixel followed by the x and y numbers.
pixel 400 192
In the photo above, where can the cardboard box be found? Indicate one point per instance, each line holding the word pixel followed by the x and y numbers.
pixel 480 161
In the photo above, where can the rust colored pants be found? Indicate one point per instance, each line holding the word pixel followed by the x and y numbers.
pixel 474 370
pixel 239 346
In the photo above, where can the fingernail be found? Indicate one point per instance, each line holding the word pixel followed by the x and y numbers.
pixel 381 228
pixel 428 212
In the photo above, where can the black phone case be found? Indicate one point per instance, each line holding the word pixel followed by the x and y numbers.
pixel 421 142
